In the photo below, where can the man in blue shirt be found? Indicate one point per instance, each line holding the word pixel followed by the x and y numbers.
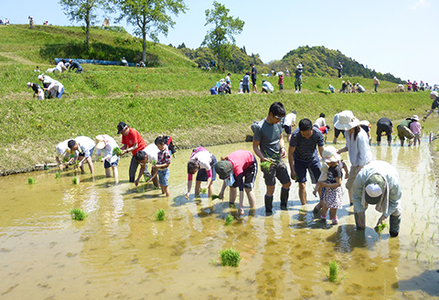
pixel 303 156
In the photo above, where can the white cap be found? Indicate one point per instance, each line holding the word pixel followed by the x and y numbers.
pixel 374 190
pixel 434 93
pixel 29 84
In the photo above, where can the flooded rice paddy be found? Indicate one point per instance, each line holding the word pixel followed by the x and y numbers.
pixel 121 252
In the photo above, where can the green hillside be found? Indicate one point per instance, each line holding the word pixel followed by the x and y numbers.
pixel 172 99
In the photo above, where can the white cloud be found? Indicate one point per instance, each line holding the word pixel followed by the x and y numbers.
pixel 419 4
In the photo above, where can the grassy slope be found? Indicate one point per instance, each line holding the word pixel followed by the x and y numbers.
pixel 172 100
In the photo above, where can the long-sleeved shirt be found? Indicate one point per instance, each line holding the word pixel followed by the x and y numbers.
pixel 359 149
pixel 391 176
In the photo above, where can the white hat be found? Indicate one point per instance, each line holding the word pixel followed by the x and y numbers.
pixel 100 142
pixel 415 117
pixel 365 122
pixel 29 84
pixel 330 154
pixel 40 77
pixel 299 66
pixel 434 93
pixel 373 190
pixel 346 120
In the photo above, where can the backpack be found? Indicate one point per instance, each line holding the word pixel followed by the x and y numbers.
pixel 170 144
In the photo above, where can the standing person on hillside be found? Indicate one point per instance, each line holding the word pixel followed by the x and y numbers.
pixel 409 85
pixel 75 65
pixel 384 125
pixel 246 83
pixel 405 132
pixel 289 123
pixel 132 142
pixel 376 83
pixel 85 146
pixel 435 104
pixel 378 184
pixel 31 23
pixel 280 82
pixel 340 69
pixel 357 143
pixel 253 73
pixel 268 145
pixel 298 79
pixel 37 90
pixel 105 146
pixel 303 155
pixel 238 170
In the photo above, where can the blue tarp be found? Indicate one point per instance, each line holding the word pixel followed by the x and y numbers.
pixel 95 62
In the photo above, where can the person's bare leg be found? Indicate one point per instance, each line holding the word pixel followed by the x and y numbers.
pixel 197 188
pixel 302 192
pixel 232 195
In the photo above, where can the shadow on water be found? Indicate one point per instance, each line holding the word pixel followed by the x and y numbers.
pixel 431 277
pixel 347 237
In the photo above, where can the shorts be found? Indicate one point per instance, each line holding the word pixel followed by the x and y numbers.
pixel 281 87
pixel 248 176
pixel 114 160
pixel 279 171
pixel 298 82
pixel 163 176
pixel 384 128
pixel 417 135
pixel 287 129
pixel 337 132
pixel 202 174
pixel 301 167
pixel 88 153
pixel 254 81
pixel 404 131
pixel 353 172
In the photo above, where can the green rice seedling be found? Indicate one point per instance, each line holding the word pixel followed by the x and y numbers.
pixel 215 197
pixel 75 180
pixel 160 214
pixel 417 254
pixel 117 151
pixel 57 175
pixel 203 191
pixel 229 220
pixel 154 162
pixel 230 257
pixel 31 180
pixel 78 214
pixel 333 271
pixel 379 229
pixel 416 243
pixel 266 165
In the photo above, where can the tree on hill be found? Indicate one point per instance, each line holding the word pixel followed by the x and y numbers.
pixel 221 38
pixel 150 17
pixel 83 10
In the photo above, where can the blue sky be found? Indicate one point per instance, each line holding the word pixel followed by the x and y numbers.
pixel 395 36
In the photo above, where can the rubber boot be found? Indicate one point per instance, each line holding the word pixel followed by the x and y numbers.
pixel 284 198
pixel 268 205
pixel 395 222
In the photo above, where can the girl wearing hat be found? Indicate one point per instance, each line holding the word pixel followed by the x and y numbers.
pixel 238 169
pixel 330 182
pixel 105 145
pixel 357 143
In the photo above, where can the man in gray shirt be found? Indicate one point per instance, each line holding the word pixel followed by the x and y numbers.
pixel 302 154
pixel 268 145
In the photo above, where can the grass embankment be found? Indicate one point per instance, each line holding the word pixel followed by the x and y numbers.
pixel 172 100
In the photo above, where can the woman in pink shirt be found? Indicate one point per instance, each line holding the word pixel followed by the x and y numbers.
pixel 238 169
pixel 415 127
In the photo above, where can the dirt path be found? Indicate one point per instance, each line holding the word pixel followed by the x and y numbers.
pixel 17 58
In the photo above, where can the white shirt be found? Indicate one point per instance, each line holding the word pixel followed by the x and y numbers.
pixel 152 152
pixel 60 66
pixel 108 149
pixel 320 122
pixel 289 119
pixel 268 85
pixel 204 158
pixel 85 143
pixel 63 150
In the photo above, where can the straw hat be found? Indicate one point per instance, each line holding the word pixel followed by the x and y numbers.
pixel 415 117
pixel 330 154
pixel 101 143
pixel 346 121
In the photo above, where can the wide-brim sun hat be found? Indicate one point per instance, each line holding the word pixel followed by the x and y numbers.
pixel 330 154
pixel 434 93
pixel 415 117
pixel 374 187
pixel 29 84
pixel 100 142
pixel 346 120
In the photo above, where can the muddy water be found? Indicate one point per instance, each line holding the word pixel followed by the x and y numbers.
pixel 121 252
